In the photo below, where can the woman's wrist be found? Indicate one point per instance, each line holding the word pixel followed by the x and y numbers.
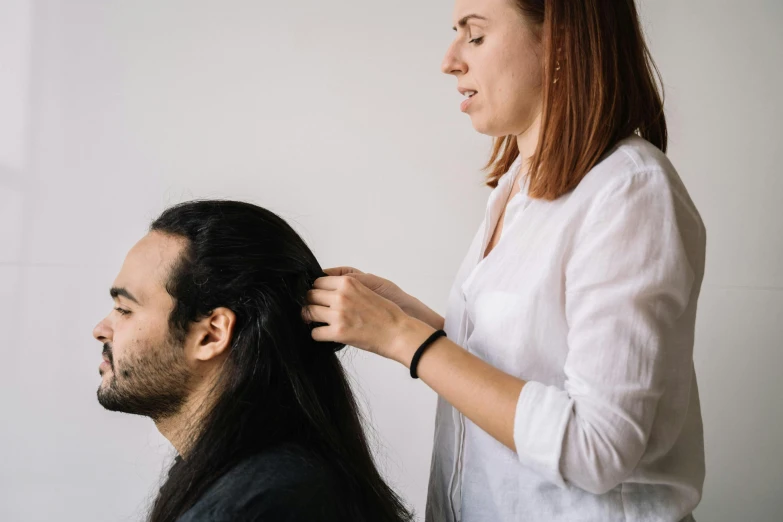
pixel 406 338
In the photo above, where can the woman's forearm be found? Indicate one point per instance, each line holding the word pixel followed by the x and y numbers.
pixel 424 313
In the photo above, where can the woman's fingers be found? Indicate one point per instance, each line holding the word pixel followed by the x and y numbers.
pixel 342 270
pixel 328 283
pixel 327 304
pixel 355 281
pixel 320 297
pixel 331 328
pixel 343 284
pixel 344 310
pixel 324 334
pixel 317 314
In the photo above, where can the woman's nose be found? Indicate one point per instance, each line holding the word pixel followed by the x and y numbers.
pixel 452 63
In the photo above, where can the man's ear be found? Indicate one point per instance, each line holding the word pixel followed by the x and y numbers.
pixel 213 334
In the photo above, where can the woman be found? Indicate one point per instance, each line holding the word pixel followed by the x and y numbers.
pixel 566 380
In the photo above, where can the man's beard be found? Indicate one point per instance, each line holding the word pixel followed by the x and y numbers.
pixel 153 383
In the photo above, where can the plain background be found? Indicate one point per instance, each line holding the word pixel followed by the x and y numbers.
pixel 335 115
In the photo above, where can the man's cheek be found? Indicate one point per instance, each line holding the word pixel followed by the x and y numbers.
pixel 121 350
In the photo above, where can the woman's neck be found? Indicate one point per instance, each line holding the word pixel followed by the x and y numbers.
pixel 527 141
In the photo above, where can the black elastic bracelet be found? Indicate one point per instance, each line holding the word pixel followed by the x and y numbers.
pixel 426 344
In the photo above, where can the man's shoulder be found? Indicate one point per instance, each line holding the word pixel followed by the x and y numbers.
pixel 281 466
pixel 284 483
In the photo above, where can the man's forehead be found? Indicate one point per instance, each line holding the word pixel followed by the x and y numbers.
pixel 148 264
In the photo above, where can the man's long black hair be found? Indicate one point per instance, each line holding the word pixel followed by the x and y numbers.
pixel 278 385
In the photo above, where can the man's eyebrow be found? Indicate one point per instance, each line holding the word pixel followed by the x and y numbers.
pixel 118 291
pixel 464 20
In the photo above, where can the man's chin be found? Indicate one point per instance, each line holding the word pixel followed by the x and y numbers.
pixel 108 396
pixel 116 400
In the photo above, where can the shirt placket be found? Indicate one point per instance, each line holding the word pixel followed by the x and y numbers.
pixel 491 217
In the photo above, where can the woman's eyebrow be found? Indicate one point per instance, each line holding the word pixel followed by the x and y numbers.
pixel 464 20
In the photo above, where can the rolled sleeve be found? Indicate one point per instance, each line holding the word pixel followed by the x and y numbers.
pixel 542 415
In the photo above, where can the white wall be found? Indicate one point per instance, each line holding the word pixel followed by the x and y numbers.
pixel 721 63
pixel 335 115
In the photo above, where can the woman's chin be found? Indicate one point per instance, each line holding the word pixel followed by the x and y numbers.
pixel 486 128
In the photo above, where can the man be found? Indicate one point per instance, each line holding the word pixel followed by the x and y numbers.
pixel 207 339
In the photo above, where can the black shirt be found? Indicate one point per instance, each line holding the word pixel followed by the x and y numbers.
pixel 285 484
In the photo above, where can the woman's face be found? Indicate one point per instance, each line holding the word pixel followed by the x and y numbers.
pixel 496 55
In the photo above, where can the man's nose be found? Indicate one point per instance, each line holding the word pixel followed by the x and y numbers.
pixel 102 331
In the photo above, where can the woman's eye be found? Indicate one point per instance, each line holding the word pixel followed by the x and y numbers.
pixel 122 311
pixel 477 40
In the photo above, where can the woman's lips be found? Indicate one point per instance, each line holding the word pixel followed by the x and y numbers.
pixel 466 103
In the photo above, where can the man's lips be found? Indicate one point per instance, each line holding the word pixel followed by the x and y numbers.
pixel 108 359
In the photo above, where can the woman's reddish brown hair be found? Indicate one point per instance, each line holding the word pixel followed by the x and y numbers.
pixel 599 87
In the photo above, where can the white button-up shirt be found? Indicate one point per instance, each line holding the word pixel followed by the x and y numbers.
pixel 591 299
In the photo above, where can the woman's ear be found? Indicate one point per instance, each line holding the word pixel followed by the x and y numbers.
pixel 214 334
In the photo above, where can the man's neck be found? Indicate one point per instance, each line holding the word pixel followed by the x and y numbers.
pixel 173 429
pixel 181 428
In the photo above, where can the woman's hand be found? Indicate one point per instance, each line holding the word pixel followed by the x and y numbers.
pixel 355 315
pixel 382 287
pixel 388 290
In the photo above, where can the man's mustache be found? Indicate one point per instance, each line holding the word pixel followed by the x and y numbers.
pixel 108 353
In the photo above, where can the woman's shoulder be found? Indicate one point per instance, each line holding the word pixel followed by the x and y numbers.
pixel 630 157
pixel 634 165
